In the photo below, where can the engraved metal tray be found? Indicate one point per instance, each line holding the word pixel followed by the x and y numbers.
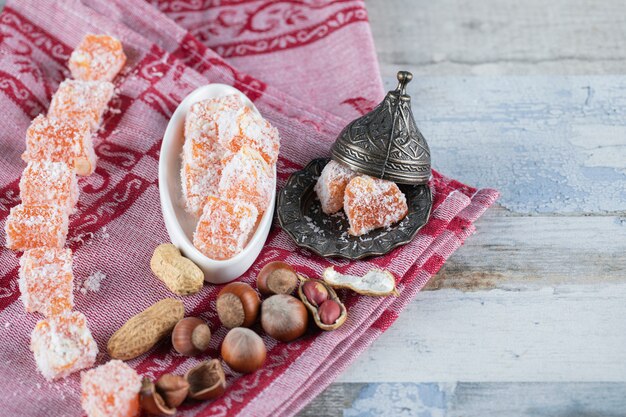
pixel 301 216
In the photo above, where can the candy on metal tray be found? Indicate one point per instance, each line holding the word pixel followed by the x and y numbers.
pixel 371 203
pixel 331 186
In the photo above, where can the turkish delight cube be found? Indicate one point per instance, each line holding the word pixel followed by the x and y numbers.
pixel 246 128
pixel 46 280
pixel 97 58
pixel 47 182
pixel 224 228
pixel 331 186
pixel 371 203
pixel 110 390
pixel 63 344
pixel 81 100
pixel 197 185
pixel 29 227
pixel 247 177
pixel 60 141
pixel 202 147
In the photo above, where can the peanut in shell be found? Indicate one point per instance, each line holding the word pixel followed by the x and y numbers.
pixel 179 274
pixel 141 332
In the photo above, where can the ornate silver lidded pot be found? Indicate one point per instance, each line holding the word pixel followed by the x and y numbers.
pixel 386 143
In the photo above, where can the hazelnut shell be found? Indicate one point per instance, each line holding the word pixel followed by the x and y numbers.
pixel 284 317
pixel 207 380
pixel 277 278
pixel 173 389
pixel 152 402
pixel 238 305
pixel 243 350
pixel 191 336
pixel 332 295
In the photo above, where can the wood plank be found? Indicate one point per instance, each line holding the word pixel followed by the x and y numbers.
pixel 517 399
pixel 553 334
pixel 549 144
pixel 492 37
pixel 520 252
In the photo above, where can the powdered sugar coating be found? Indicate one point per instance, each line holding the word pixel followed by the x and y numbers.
pixel 224 228
pixel 202 146
pixel 246 128
pixel 97 58
pixel 58 140
pixel 110 390
pixel 29 227
pixel 331 185
pixel 197 184
pixel 77 100
pixel 47 182
pixel 371 203
pixel 202 152
pixel 247 177
pixel 63 344
pixel 46 280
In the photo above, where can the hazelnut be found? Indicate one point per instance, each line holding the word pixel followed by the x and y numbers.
pixel 238 305
pixel 173 389
pixel 277 278
pixel 315 292
pixel 206 381
pixel 152 402
pixel 284 317
pixel 243 350
pixel 329 312
pixel 191 336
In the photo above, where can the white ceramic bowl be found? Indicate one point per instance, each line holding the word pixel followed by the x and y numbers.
pixel 180 224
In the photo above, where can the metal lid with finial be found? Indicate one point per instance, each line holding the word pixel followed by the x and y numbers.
pixel 386 143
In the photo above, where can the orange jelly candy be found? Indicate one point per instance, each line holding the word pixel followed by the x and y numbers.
pixel 47 182
pixel 60 141
pixel 29 227
pixel 247 177
pixel 81 100
pixel 245 128
pixel 63 344
pixel 46 281
pixel 110 390
pixel 331 185
pixel 202 147
pixel 197 185
pixel 224 228
pixel 371 203
pixel 97 58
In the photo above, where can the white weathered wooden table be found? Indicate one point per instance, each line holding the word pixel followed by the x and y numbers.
pixel 529 317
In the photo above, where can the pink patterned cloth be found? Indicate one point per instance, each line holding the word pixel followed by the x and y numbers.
pixel 300 50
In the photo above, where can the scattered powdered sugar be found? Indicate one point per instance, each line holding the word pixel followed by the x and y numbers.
pixel 93 282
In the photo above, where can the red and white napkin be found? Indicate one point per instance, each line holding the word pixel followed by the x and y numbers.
pixel 310 68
